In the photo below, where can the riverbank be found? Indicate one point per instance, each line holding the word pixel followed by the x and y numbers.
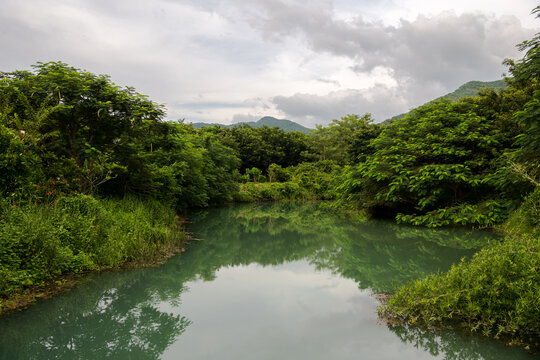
pixel 46 248
pixel 496 293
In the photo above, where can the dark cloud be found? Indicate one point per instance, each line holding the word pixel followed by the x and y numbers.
pixel 232 52
pixel 427 57
pixel 309 109
pixel 447 48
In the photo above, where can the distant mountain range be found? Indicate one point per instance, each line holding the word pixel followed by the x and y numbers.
pixel 286 125
pixel 470 88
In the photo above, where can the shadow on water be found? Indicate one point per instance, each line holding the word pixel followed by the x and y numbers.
pixel 121 315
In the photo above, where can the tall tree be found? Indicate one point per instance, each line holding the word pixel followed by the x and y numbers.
pixel 76 117
pixel 345 141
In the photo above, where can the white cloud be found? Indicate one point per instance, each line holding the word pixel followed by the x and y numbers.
pixel 209 60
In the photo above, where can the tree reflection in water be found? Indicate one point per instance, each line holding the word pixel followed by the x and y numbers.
pixel 114 316
pixel 454 345
pixel 130 314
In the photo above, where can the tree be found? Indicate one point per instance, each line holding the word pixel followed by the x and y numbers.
pixel 260 147
pixel 345 141
pixel 526 73
pixel 79 120
pixel 433 167
pixel 16 163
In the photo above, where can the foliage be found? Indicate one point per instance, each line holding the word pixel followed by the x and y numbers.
pixel 343 140
pixel 254 175
pixel 260 147
pixel 526 219
pixel 278 173
pixel 496 293
pixel 472 88
pixel 180 164
pixel 529 141
pixel 435 167
pixel 75 118
pixel 77 234
pixel 318 178
pixel 83 131
pixel 306 181
pixel 16 164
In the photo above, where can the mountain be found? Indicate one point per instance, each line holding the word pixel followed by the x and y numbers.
pixel 286 125
pixel 470 88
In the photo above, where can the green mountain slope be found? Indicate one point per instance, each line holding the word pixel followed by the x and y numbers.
pixel 470 88
pixel 286 125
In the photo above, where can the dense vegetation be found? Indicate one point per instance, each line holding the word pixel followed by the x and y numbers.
pixel 497 292
pixel 69 137
pixel 83 162
pixel 79 234
pixel 473 88
pixel 78 152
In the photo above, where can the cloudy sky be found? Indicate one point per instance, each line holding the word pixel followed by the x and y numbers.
pixel 236 60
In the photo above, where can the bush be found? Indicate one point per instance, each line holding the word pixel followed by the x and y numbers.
pixel 250 192
pixel 526 219
pixel 15 163
pixel 78 234
pixel 496 293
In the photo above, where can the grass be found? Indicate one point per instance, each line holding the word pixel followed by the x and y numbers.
pixel 39 243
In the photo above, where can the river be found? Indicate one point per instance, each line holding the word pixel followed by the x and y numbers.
pixel 261 281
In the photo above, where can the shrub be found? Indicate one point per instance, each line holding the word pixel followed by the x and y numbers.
pixel 496 293
pixel 79 233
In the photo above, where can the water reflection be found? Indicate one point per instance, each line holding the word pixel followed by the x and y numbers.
pixel 376 254
pixel 142 313
pixel 110 316
pixel 450 344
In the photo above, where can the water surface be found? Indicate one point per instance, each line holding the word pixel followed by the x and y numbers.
pixel 266 281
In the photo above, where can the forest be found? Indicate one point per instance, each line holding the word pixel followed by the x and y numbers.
pixel 93 177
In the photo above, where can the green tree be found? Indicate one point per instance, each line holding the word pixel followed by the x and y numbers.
pixel 16 163
pixel 433 167
pixel 260 147
pixel 79 120
pixel 526 73
pixel 345 141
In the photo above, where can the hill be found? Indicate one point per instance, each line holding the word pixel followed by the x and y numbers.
pixel 286 125
pixel 470 88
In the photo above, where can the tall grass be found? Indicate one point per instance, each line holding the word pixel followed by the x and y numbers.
pixel 39 242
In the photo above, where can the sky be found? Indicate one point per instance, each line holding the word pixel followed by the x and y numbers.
pixel 226 61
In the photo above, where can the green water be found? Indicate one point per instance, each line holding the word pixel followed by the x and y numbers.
pixel 270 281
